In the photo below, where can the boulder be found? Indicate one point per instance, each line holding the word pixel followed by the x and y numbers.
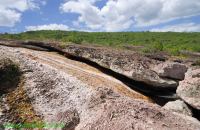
pixel 189 89
pixel 179 107
pixel 171 70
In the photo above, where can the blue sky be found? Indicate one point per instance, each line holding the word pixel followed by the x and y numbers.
pixel 100 15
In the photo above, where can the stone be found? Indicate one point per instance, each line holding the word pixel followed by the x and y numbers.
pixel 179 107
pixel 171 70
pixel 189 89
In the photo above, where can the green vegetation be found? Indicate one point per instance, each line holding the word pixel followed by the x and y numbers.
pixel 152 41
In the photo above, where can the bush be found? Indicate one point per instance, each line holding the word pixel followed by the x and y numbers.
pixel 153 47
pixel 74 39
pixel 158 46
pixel 63 45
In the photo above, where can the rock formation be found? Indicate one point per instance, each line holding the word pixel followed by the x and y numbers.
pixel 81 97
pixel 130 64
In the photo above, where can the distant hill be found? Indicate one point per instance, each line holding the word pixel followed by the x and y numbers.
pixel 171 42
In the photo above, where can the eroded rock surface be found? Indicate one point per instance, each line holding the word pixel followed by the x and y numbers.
pixel 83 98
pixel 179 107
pixel 130 64
pixel 189 89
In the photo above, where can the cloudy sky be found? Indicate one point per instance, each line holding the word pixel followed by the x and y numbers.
pixel 100 15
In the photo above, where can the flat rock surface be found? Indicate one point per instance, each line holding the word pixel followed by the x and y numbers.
pixel 189 89
pixel 62 90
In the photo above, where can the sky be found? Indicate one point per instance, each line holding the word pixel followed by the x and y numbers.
pixel 100 15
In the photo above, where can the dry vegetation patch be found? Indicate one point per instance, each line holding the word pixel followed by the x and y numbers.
pixel 14 102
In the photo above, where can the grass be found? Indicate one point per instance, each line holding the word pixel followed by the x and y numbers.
pixel 170 42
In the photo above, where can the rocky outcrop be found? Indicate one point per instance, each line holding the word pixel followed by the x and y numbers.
pixel 83 99
pixel 171 70
pixel 130 64
pixel 189 89
pixel 179 107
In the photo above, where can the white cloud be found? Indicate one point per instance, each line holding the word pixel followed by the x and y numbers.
pixel 48 27
pixel 11 10
pixel 9 17
pixel 187 27
pixel 118 15
pixel 89 13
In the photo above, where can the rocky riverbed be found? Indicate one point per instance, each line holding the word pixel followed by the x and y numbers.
pixel 59 88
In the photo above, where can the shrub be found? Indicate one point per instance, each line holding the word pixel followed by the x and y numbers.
pixel 75 39
pixel 174 51
pixel 158 46
pixel 63 45
pixel 153 47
